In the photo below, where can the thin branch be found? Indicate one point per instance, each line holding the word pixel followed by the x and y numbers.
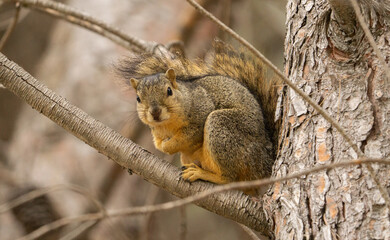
pixel 249 231
pixel 233 205
pixel 10 27
pixel 183 223
pixel 76 17
pixel 80 229
pixel 317 107
pixel 62 222
pixel 370 38
pixel 181 202
pixel 39 192
pixel 150 199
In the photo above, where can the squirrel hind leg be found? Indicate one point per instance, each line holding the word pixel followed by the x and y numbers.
pixel 234 141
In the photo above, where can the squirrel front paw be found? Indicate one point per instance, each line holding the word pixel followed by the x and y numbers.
pixel 192 172
pixel 169 147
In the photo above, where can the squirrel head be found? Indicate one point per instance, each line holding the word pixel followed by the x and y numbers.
pixel 158 97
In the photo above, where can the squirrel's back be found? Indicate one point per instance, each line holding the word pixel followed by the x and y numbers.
pixel 224 61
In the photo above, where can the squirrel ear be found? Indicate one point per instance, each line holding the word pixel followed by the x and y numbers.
pixel 171 75
pixel 134 82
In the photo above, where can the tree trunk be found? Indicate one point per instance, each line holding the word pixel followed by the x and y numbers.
pixel 328 56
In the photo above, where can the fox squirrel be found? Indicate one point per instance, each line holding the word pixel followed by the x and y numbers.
pixel 219 114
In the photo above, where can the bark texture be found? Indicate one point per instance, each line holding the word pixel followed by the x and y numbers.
pixel 328 56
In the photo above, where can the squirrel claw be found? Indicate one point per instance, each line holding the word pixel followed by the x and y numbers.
pixel 191 172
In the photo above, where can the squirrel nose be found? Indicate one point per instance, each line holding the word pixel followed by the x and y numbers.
pixel 155 112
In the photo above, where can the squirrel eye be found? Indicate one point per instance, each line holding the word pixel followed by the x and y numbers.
pixel 169 91
pixel 138 99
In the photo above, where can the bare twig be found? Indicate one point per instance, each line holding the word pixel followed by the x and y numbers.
pixel 61 222
pixel 370 38
pixel 39 192
pixel 74 16
pixel 10 27
pixel 183 223
pixel 317 107
pixel 80 229
pixel 249 231
pixel 150 200
pixel 178 203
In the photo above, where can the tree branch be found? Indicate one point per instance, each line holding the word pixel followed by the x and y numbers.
pixel 199 196
pixel 10 27
pixel 234 204
pixel 76 17
pixel 40 192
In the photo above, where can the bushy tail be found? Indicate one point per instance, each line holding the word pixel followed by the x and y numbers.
pixel 147 64
pixel 251 72
pixel 225 61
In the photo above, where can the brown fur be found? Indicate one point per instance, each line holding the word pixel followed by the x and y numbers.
pixel 224 61
pixel 209 111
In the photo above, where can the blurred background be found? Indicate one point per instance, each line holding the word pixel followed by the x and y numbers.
pixel 77 64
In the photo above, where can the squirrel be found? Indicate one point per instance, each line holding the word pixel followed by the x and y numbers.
pixel 218 113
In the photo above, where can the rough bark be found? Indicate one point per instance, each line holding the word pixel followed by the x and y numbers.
pixel 328 56
pixel 234 204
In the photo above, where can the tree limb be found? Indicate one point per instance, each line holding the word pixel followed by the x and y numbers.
pixel 40 192
pixel 202 195
pixel 77 17
pixel 233 204
pixel 10 27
